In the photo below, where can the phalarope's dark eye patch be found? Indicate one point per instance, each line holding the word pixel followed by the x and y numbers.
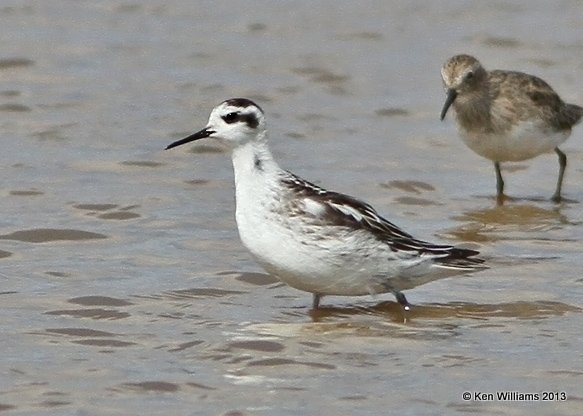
pixel 230 118
pixel 235 117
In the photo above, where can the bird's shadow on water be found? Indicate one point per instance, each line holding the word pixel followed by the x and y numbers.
pixel 476 311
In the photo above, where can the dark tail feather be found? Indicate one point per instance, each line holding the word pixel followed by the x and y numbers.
pixel 461 258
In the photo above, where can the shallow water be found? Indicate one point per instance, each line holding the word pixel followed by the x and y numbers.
pixel 125 289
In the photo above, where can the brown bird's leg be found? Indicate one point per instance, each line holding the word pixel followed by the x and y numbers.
pixel 499 184
pixel 315 301
pixel 562 165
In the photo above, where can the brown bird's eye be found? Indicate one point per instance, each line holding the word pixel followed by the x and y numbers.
pixel 469 75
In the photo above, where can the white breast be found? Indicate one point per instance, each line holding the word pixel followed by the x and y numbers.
pixel 524 141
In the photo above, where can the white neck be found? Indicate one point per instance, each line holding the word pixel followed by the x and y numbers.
pixel 256 186
pixel 253 159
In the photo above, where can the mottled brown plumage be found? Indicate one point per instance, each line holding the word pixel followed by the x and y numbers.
pixel 507 115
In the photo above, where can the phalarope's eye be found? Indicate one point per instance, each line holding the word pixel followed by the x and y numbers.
pixel 231 117
pixel 469 75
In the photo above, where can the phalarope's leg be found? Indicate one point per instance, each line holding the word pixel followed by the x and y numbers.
pixel 499 182
pixel 402 300
pixel 562 165
pixel 316 301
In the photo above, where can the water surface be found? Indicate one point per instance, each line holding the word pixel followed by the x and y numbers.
pixel 125 289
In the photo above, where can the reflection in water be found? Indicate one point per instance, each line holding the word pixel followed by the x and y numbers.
pixel 392 310
pixel 516 215
pixel 492 224
pixel 353 329
pixel 430 322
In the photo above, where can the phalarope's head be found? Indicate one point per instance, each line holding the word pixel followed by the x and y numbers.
pixel 460 74
pixel 235 121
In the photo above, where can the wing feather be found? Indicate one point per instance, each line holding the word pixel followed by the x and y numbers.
pixel 345 211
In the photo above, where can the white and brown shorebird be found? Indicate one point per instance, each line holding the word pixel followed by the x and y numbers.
pixel 315 240
pixel 507 116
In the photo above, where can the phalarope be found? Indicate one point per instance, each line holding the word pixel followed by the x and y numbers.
pixel 315 240
pixel 507 116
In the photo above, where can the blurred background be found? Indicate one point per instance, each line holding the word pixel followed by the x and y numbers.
pixel 124 287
